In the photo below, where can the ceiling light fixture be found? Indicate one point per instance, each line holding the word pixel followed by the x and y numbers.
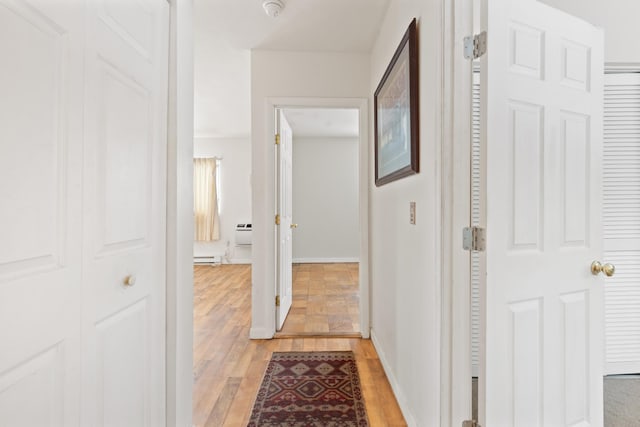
pixel 273 7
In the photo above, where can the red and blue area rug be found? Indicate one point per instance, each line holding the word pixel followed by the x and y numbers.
pixel 310 389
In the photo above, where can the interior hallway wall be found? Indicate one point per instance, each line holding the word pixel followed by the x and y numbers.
pixel 234 194
pixel 325 200
pixel 406 258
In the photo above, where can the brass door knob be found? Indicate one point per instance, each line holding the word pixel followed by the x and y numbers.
pixel 129 280
pixel 294 225
pixel 597 267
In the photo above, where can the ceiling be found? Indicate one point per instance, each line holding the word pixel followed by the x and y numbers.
pixel 226 30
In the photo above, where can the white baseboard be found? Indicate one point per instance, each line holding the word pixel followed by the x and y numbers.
pixel 260 334
pixel 239 261
pixel 324 260
pixel 208 259
pixel 402 401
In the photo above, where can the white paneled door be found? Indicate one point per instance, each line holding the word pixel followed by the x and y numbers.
pixel 82 217
pixel 41 87
pixel 284 291
pixel 124 204
pixel 542 334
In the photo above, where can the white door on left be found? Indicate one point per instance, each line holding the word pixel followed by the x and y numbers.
pixel 124 178
pixel 41 86
pixel 83 100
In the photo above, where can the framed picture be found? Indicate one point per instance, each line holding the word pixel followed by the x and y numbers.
pixel 396 113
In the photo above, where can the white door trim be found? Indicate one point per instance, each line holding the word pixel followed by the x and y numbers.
pixel 621 67
pixel 455 360
pixel 179 247
pixel 266 304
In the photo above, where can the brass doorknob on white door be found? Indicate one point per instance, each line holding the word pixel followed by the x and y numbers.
pixel 598 267
pixel 294 225
pixel 129 280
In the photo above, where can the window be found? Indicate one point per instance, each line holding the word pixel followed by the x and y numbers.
pixel 205 200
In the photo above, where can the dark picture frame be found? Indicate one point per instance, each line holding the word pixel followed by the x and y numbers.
pixel 396 113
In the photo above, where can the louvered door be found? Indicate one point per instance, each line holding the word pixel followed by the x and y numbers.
pixel 475 221
pixel 621 222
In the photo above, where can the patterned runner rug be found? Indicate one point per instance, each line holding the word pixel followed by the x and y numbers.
pixel 312 389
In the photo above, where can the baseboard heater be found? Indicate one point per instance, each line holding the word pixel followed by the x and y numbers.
pixel 208 260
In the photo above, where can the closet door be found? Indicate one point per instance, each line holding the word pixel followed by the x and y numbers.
pixel 621 221
pixel 40 207
pixel 124 209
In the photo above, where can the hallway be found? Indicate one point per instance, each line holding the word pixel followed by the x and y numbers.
pixel 228 367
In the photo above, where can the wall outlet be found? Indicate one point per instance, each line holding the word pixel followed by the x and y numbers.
pixel 412 213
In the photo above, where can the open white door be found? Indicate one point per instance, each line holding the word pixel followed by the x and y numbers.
pixel 542 331
pixel 284 282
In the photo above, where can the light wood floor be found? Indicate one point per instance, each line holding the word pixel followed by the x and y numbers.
pixel 325 300
pixel 228 367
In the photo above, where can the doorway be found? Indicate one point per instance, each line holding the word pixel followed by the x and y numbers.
pixel 325 249
pixel 327 269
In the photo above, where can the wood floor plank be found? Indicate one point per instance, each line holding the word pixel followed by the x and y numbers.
pixel 326 299
pixel 229 367
pixel 219 412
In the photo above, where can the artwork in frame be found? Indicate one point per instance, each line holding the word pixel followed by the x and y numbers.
pixel 396 113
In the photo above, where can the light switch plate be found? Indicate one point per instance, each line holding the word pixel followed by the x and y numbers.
pixel 412 213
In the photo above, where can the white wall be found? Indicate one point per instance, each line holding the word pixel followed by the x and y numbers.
pixel 618 18
pixel 277 74
pixel 406 259
pixel 235 195
pixel 222 96
pixel 325 200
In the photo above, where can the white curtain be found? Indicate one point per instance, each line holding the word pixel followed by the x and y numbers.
pixel 205 200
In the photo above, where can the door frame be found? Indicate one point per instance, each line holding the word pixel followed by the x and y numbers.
pixel 179 243
pixel 621 67
pixel 361 104
pixel 455 354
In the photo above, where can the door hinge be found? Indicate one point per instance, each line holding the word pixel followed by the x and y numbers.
pixel 277 139
pixel 473 239
pixel 277 300
pixel 476 46
pixel 277 219
pixel 470 423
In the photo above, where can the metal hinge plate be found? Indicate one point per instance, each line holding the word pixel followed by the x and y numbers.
pixel 470 423
pixel 277 300
pixel 277 219
pixel 277 139
pixel 476 46
pixel 473 239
